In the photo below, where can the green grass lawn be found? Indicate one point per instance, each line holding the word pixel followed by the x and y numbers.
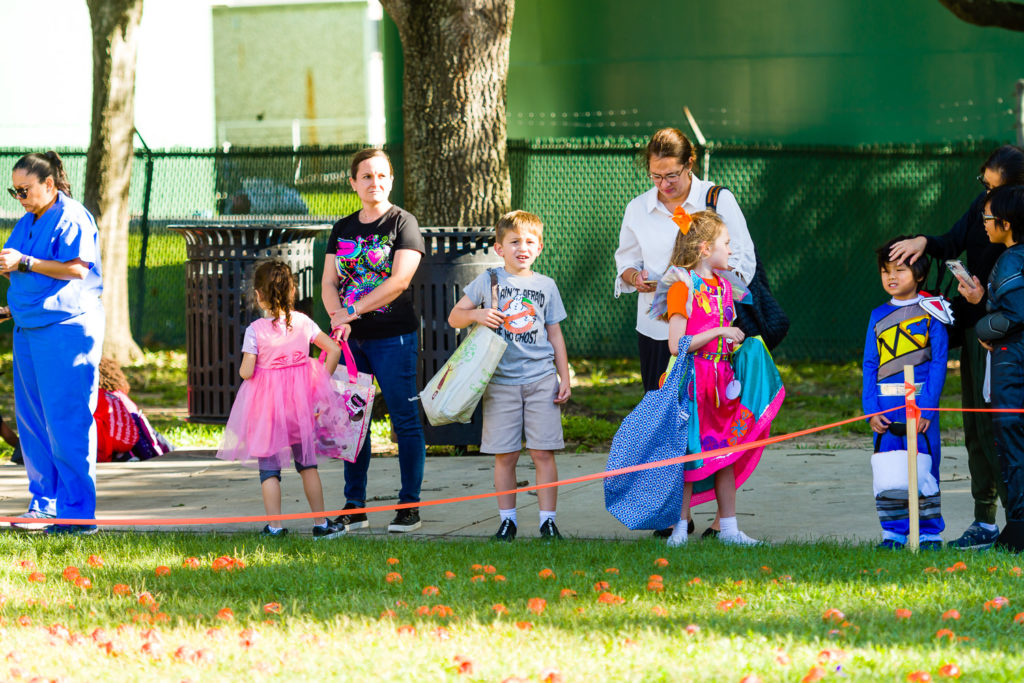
pixel 401 609
pixel 606 390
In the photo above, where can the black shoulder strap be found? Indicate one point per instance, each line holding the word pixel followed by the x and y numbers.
pixel 711 200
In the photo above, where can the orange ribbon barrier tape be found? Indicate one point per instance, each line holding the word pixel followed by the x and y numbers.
pixel 461 499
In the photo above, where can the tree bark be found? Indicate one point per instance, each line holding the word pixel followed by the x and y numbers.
pixel 997 13
pixel 454 88
pixel 108 167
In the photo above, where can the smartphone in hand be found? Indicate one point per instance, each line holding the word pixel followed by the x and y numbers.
pixel 960 271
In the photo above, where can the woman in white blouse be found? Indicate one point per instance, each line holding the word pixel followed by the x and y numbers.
pixel 648 233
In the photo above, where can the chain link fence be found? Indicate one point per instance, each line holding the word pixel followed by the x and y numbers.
pixel 815 213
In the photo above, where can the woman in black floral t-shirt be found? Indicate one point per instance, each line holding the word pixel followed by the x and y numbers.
pixel 371 258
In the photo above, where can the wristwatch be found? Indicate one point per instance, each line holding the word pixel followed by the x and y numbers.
pixel 25 264
pixel 351 310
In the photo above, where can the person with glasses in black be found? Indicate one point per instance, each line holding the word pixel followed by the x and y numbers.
pixel 648 235
pixel 52 259
pixel 1005 166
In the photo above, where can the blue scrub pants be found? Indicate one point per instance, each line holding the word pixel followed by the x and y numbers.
pixel 392 361
pixel 56 376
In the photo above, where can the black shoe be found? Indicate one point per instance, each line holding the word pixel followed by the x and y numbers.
pixel 407 519
pixel 507 531
pixel 273 533
pixel 1011 539
pixel 665 533
pixel 975 538
pixel 931 545
pixel 549 530
pixel 890 544
pixel 352 522
pixel 710 532
pixel 16 457
pixel 332 530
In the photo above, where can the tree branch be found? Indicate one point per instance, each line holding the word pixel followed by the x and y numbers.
pixel 997 13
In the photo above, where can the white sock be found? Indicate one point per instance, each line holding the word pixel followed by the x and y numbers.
pixel 545 515
pixel 987 527
pixel 507 514
pixel 679 534
pixel 728 525
pixel 321 526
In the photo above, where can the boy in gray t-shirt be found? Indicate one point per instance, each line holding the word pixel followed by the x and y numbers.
pixel 532 379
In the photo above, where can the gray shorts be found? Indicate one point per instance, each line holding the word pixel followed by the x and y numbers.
pixel 512 409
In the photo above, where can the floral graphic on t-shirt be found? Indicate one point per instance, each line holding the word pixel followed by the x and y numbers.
pixel 363 264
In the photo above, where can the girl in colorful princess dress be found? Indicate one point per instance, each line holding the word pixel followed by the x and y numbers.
pixel 722 392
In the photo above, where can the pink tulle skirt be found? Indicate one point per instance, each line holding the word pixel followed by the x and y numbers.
pixel 273 418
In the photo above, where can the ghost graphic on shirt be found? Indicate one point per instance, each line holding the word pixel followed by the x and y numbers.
pixel 520 315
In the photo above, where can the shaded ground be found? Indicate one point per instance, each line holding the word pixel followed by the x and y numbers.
pixel 796 494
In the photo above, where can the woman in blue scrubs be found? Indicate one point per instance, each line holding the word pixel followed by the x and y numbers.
pixel 53 261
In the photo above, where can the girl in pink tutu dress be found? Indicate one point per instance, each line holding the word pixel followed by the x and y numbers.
pixel 272 420
pixel 700 304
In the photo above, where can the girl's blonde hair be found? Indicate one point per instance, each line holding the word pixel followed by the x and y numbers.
pixel 705 229
pixel 276 286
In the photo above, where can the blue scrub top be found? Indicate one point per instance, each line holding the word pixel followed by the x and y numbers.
pixel 65 232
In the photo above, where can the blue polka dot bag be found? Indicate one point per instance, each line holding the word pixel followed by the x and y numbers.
pixel 656 430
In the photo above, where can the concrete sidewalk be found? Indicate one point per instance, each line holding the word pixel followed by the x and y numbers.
pixel 796 495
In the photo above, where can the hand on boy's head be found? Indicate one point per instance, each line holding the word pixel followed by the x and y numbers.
pixel 908 250
pixel 879 424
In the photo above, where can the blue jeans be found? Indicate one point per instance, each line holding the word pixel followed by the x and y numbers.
pixel 1008 392
pixel 392 361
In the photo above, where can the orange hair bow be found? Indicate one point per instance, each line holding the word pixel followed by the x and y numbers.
pixel 682 219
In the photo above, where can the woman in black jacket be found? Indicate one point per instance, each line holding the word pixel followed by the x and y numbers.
pixel 1005 166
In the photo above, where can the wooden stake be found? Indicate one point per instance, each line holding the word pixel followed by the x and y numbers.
pixel 914 535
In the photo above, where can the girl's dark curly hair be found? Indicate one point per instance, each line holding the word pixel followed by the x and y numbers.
pixel 274 282
pixel 112 377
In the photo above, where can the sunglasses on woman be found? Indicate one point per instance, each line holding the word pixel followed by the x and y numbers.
pixel 18 192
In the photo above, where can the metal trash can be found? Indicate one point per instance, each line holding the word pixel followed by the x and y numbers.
pixel 218 307
pixel 453 258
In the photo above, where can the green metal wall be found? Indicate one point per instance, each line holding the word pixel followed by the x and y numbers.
pixel 838 72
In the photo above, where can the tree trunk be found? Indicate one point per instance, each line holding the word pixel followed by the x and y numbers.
pixel 456 67
pixel 997 13
pixel 108 167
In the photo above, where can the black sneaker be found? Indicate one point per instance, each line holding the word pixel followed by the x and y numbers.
pixel 710 532
pixel 406 520
pixel 665 533
pixel 931 545
pixel 975 538
pixel 352 522
pixel 274 533
pixel 506 532
pixel 332 530
pixel 1011 539
pixel 549 530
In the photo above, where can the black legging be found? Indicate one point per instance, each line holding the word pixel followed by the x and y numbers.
pixel 654 356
